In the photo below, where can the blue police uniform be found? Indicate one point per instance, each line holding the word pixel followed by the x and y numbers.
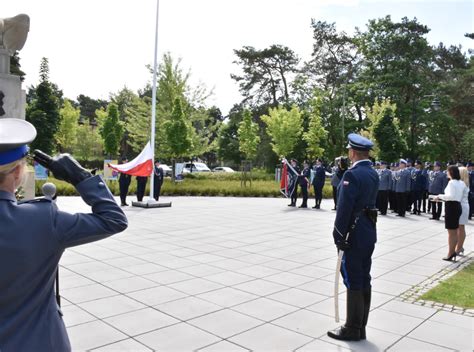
pixel 419 185
pixel 425 172
pixel 357 193
pixel 293 172
pixel 385 183
pixel 392 196
pixel 402 189
pixel 303 181
pixel 33 236
pixel 438 182
pixel 318 184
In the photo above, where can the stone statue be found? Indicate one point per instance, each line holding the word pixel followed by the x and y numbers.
pixel 13 32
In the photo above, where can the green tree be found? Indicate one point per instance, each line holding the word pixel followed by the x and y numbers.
pixel 66 135
pixel 284 128
pixel 89 144
pixel 15 67
pixel 385 131
pixel 88 106
pixel 266 74
pixel 316 132
pixel 248 136
pixel 43 112
pixel 227 139
pixel 112 131
pixel 178 133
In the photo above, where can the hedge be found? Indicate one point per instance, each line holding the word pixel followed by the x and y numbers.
pixel 210 187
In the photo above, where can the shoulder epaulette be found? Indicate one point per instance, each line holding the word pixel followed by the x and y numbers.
pixel 36 200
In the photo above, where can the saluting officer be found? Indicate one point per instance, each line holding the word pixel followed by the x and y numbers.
pixel 470 167
pixel 438 182
pixel 318 182
pixel 385 183
pixel 402 188
pixel 33 237
pixel 303 181
pixel 355 218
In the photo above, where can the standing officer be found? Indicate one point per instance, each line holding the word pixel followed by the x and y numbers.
pixel 385 183
pixel 318 182
pixel 402 188
pixel 294 172
pixel 124 184
pixel 33 237
pixel 410 192
pixel 419 184
pixel 392 196
pixel 470 167
pixel 438 182
pixel 426 174
pixel 303 181
pixel 356 217
pixel 158 180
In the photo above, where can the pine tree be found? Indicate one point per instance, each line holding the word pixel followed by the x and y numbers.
pixel 43 112
pixel 112 131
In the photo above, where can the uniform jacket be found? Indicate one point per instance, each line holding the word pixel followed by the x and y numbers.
pixel 319 177
pixel 335 177
pixel 30 250
pixel 303 179
pixel 385 179
pixel 412 178
pixel 357 191
pixel 393 186
pixel 438 182
pixel 426 174
pixel 159 177
pixel 403 178
pixel 419 180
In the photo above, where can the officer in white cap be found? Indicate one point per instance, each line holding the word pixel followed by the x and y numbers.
pixel 34 235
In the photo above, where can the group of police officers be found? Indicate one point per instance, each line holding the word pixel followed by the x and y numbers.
pixel 404 186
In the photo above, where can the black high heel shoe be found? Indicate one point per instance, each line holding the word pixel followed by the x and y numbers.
pixel 451 258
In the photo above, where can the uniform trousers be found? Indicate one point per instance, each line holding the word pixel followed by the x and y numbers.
pixel 334 195
pixel 156 189
pixel 382 202
pixel 294 195
pixel 436 209
pixel 417 200
pixel 123 191
pixel 304 191
pixel 392 196
pixel 355 267
pixel 141 185
pixel 318 194
pixel 410 200
pixel 401 203
pixel 424 199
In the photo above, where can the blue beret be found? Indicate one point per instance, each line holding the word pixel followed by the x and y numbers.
pixel 15 134
pixel 357 142
pixel 383 162
pixel 469 164
pixel 437 163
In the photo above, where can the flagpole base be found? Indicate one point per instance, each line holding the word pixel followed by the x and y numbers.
pixel 151 203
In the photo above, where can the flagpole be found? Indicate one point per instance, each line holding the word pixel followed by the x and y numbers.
pixel 153 104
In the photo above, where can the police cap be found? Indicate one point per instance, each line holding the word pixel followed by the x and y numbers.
pixel 403 161
pixel 358 142
pixel 15 134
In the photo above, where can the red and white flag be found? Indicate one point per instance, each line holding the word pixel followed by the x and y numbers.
pixel 142 165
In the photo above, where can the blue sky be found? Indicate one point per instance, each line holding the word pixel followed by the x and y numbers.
pixel 96 47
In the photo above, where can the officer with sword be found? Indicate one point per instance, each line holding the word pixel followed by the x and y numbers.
pixel 355 236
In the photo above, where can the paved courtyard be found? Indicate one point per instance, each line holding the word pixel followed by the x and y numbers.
pixel 237 274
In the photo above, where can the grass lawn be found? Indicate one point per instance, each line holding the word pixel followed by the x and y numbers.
pixel 457 290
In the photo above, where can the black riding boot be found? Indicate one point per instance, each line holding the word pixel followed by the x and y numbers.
pixel 350 331
pixel 367 297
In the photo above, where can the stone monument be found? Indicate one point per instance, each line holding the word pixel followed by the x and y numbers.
pixel 13 34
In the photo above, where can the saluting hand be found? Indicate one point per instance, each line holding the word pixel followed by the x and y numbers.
pixel 63 166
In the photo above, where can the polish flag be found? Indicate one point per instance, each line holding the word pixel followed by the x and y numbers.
pixel 142 165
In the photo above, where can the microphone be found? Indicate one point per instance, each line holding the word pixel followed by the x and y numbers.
pixel 49 191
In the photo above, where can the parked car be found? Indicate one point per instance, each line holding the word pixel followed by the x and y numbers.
pixel 167 171
pixel 223 169
pixel 195 167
